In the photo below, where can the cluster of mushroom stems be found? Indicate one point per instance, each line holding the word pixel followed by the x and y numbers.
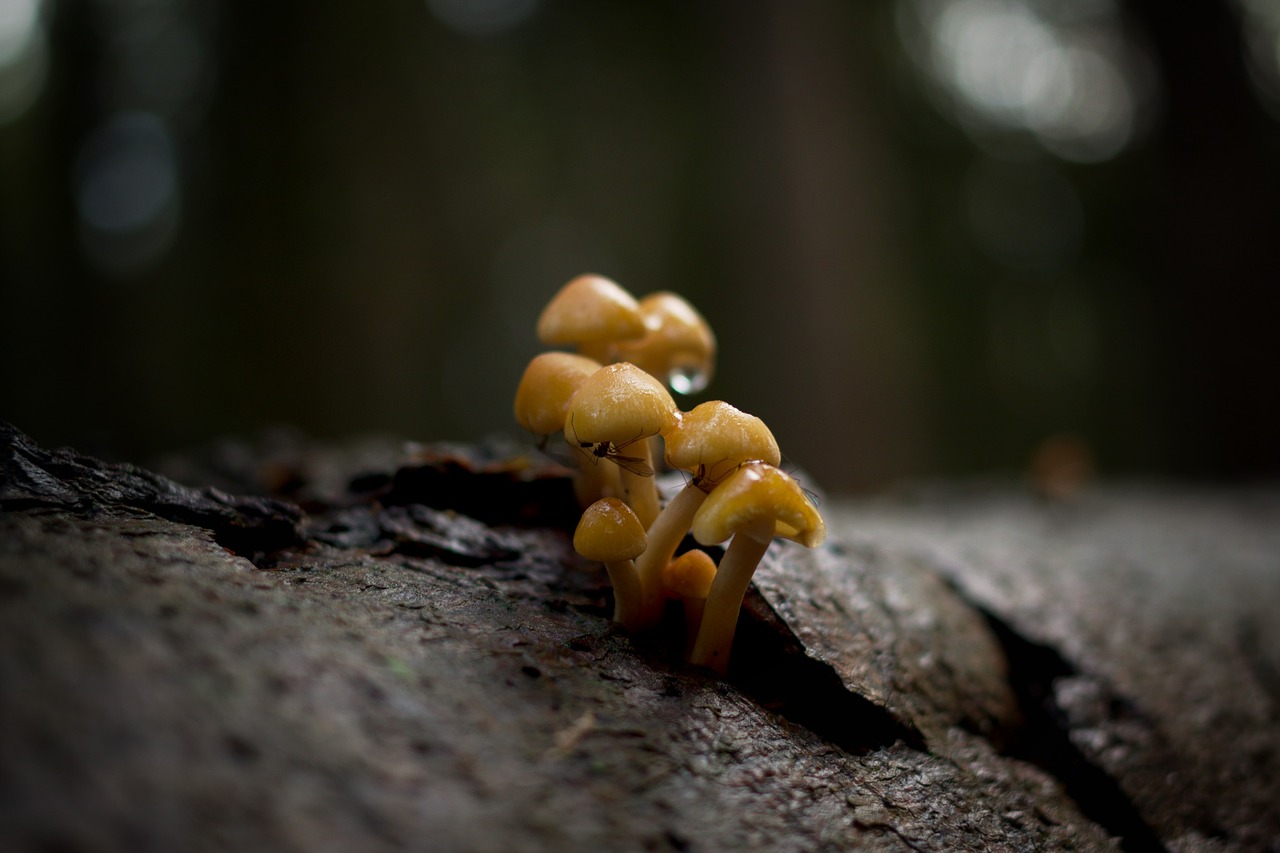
pixel 610 399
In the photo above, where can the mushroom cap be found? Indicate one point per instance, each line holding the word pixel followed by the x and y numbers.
pixel 549 382
pixel 719 437
pixel 689 575
pixel 678 346
pixel 754 493
pixel 590 309
pixel 619 403
pixel 608 532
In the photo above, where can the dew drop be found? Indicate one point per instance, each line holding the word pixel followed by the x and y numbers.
pixel 687 380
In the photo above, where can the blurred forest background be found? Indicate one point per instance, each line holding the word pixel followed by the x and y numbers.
pixel 929 234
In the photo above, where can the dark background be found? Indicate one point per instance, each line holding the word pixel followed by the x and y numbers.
pixel 929 234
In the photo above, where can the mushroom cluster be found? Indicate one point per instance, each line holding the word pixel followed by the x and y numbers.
pixel 611 400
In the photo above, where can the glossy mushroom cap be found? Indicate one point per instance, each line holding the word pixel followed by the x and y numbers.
pixel 689 575
pixel 548 384
pixel 714 438
pixel 619 403
pixel 609 532
pixel 678 346
pixel 755 493
pixel 589 311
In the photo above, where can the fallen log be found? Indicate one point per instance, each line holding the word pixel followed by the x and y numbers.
pixel 398 648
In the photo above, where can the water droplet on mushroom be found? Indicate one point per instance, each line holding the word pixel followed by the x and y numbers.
pixel 686 380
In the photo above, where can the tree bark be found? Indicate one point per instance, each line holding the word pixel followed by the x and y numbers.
pixel 370 648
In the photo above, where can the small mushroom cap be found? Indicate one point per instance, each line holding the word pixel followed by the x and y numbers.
pixel 758 492
pixel 619 403
pixel 689 575
pixel 590 309
pixel 608 532
pixel 718 437
pixel 678 346
pixel 548 384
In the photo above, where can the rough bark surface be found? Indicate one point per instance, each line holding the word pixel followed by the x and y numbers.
pixel 401 650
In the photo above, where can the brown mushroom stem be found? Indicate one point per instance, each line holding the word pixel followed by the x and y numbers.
pixel 687 579
pixel 588 483
pixel 642 490
pixel 593 480
pixel 720 617
pixel 694 609
pixel 610 533
pixel 665 535
pixel 626 592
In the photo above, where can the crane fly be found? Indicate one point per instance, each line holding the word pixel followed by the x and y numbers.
pixel 613 452
pixel 705 479
pixel 705 476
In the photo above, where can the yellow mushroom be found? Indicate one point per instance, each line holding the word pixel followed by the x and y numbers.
pixel 688 579
pixel 542 403
pixel 549 381
pixel 678 346
pixel 710 442
pixel 591 313
pixel 610 533
pixel 753 505
pixel 613 416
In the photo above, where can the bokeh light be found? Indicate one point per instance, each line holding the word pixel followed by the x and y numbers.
pixel 23 56
pixel 127 193
pixel 928 233
pixel 483 17
pixel 1260 25
pixel 1069 76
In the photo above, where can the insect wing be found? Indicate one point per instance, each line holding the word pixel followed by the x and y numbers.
pixel 634 464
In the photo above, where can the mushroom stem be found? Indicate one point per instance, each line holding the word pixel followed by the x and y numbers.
pixel 588 485
pixel 626 593
pixel 610 533
pixel 592 481
pixel 720 618
pixel 665 534
pixel 642 491
pixel 688 579
pixel 694 608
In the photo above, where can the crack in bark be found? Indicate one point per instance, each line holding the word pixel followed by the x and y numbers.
pixel 891 829
pixel 771 666
pixel 1045 739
